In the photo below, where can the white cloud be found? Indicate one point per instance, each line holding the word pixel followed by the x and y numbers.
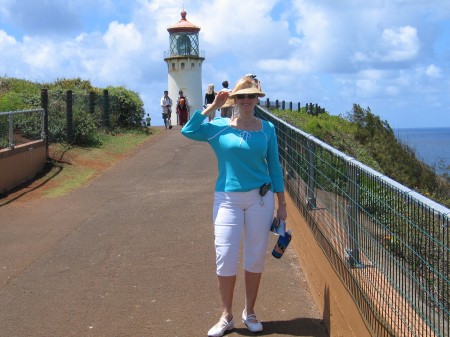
pixel 122 39
pixel 401 44
pixel 330 52
pixel 433 71
pixel 6 41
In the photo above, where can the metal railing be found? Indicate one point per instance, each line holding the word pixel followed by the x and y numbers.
pixel 388 244
pixel 30 126
pixel 190 53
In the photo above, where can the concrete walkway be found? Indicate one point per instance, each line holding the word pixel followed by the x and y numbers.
pixel 132 254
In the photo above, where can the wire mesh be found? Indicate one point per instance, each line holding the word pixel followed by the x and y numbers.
pixel 390 245
pixel 20 127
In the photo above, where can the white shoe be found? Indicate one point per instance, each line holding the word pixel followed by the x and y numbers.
pixel 252 323
pixel 219 329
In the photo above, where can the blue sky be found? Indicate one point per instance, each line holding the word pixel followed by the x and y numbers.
pixel 391 56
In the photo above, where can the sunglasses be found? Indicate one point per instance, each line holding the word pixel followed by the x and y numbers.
pixel 251 96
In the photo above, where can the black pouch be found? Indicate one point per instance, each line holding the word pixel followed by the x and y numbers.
pixel 264 189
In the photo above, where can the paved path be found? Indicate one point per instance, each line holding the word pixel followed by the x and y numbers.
pixel 132 254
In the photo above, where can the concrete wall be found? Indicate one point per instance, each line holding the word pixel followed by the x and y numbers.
pixel 21 164
pixel 339 311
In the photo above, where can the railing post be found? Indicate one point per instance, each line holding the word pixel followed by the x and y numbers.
pixel 299 107
pixel 268 104
pixel 352 253
pixel 10 132
pixel 311 183
pixel 69 116
pixel 283 105
pixel 277 105
pixel 290 106
pixel 105 108
pixel 43 125
pixel 44 105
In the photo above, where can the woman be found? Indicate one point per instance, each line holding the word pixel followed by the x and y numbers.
pixel 209 98
pixel 247 153
pixel 182 108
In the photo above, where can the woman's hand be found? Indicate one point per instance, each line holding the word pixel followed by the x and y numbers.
pixel 282 212
pixel 219 100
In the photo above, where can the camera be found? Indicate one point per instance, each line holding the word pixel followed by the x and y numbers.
pixel 264 189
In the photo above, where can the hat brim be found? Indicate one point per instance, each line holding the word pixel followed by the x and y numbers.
pixel 248 91
pixel 228 103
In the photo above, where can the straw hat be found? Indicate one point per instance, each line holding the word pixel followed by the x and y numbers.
pixel 248 91
pixel 228 103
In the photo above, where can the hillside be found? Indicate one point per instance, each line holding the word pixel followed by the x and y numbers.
pixel 362 135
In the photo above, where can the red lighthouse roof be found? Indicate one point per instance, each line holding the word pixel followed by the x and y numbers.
pixel 183 25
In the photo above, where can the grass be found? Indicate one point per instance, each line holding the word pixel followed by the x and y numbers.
pixel 72 167
pixel 81 164
pixel 71 179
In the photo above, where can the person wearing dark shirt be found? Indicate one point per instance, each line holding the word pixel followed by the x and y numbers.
pixel 209 98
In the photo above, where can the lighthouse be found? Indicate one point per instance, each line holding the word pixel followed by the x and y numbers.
pixel 184 64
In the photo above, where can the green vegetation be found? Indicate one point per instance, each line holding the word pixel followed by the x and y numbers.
pixel 95 144
pixel 362 135
pixel 125 109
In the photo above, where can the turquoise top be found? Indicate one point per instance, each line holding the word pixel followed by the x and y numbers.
pixel 246 159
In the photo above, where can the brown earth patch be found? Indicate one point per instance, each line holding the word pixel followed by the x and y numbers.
pixel 68 162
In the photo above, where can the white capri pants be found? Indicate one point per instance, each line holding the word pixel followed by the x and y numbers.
pixel 237 211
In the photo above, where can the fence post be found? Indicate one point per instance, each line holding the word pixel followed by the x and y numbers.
pixel 352 253
pixel 290 106
pixel 91 103
pixel 105 108
pixel 69 116
pixel 267 104
pixel 11 144
pixel 310 146
pixel 44 105
pixel 43 125
pixel 283 105
pixel 277 105
pixel 299 107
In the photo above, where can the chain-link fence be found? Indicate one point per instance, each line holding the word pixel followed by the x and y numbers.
pixel 389 244
pixel 70 117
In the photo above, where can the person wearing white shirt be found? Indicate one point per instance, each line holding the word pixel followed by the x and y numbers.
pixel 166 105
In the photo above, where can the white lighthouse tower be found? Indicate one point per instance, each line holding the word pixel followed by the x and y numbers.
pixel 184 64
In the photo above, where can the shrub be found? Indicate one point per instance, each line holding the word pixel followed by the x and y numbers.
pixel 85 129
pixel 126 106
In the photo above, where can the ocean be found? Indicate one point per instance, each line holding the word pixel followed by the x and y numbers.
pixel 432 145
